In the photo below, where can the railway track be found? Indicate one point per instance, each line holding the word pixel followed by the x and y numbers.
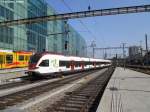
pixel 27 80
pixel 85 98
pixel 12 70
pixel 20 96
pixel 14 84
pixel 8 76
pixel 143 69
pixel 20 81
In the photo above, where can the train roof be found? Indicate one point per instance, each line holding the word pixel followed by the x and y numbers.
pixel 73 57
pixel 11 51
pixel 7 51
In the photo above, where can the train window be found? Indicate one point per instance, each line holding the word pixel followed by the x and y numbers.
pixel 80 63
pixel 44 63
pixel 99 63
pixel 77 63
pixel 21 58
pixel 9 58
pixel 87 63
pixel 64 63
pixel 1 59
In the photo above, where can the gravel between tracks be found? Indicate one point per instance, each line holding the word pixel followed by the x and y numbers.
pixel 25 96
pixel 37 104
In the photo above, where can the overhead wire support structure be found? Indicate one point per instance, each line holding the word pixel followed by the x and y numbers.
pixel 110 48
pixel 82 14
pixel 60 33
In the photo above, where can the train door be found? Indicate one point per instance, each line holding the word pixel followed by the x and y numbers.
pixel 82 65
pixel 15 59
pixel 94 64
pixel 26 60
pixel 72 65
pixel 1 61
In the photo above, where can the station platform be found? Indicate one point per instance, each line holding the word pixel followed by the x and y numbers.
pixel 127 91
pixel 7 74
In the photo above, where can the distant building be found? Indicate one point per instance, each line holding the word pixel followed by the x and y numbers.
pixel 147 58
pixel 135 55
pixel 56 36
pixel 134 51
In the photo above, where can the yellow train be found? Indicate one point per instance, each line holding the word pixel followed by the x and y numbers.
pixel 14 59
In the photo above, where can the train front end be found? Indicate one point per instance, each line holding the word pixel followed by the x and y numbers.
pixel 33 68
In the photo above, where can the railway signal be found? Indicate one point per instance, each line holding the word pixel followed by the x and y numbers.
pixel 66 45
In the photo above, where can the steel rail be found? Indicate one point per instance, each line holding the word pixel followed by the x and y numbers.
pixel 83 99
pixel 31 80
pixel 139 68
pixel 81 14
pixel 18 97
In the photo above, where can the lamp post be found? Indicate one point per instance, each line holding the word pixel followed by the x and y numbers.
pixel 123 48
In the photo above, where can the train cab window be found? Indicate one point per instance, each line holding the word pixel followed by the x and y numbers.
pixel 44 63
pixel 1 59
pixel 21 58
pixel 34 58
pixel 9 58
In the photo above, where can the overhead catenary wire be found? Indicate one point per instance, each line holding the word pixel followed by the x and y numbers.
pixel 81 22
pixel 96 23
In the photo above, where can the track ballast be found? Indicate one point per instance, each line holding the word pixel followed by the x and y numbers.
pixel 18 97
pixel 85 98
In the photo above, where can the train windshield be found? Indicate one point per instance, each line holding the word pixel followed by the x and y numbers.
pixel 34 59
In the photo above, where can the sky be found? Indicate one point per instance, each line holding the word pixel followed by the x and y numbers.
pixel 111 30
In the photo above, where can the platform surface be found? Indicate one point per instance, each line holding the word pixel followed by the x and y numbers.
pixel 127 91
pixel 7 74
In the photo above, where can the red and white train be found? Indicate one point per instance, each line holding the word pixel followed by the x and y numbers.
pixel 46 63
